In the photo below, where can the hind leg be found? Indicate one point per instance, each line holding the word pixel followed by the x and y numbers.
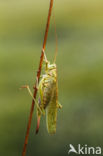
pixel 28 88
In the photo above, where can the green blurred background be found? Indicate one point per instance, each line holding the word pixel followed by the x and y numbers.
pixel 80 73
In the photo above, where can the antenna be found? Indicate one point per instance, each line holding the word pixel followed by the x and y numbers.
pixel 56 38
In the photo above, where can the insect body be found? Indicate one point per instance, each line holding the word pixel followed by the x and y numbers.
pixel 48 97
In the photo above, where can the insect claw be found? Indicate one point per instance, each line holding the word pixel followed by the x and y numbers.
pixel 59 105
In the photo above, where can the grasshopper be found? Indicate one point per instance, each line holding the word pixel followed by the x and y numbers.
pixel 48 97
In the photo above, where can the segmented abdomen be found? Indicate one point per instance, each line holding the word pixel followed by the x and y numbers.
pixel 49 84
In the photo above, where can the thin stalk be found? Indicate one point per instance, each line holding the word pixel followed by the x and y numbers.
pixel 37 80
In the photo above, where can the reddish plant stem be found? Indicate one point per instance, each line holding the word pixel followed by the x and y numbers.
pixel 38 77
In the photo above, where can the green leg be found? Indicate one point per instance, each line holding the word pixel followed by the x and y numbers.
pixel 33 97
pixel 45 60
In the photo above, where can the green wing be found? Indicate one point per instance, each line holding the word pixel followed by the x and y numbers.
pixel 51 112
